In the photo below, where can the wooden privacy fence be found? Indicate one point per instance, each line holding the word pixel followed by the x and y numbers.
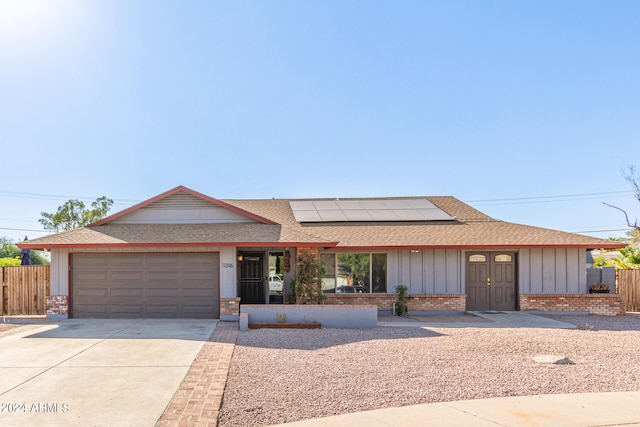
pixel 629 288
pixel 24 290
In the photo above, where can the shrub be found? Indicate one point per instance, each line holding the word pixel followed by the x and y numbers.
pixel 401 304
pixel 600 287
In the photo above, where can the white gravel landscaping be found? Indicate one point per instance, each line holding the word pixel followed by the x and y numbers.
pixel 279 376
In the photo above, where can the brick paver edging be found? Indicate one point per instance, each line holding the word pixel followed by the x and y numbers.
pixel 198 399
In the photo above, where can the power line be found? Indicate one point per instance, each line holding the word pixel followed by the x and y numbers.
pixel 553 197
pixel 601 231
pixel 43 196
pixel 23 229
pixel 548 199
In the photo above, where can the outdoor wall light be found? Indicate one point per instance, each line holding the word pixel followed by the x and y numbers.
pixel 240 258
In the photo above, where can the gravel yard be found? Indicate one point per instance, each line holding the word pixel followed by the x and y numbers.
pixel 279 376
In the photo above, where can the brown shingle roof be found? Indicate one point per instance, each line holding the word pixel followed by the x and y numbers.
pixel 471 229
pixel 177 234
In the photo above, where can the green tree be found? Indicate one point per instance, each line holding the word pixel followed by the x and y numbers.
pixel 73 214
pixel 309 272
pixel 357 268
pixel 9 251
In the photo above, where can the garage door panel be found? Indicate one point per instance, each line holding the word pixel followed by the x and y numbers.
pixel 145 285
pixel 197 293
pixel 160 310
pixel 169 282
pixel 124 308
pixel 195 258
pixel 163 293
pixel 91 293
pixel 99 311
pixel 162 276
pixel 91 261
pixel 93 277
pixel 196 279
pixel 126 276
pixel 125 293
pixel 125 259
pixel 164 260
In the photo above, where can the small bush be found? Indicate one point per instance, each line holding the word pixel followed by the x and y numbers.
pixel 401 304
pixel 600 287
pixel 10 262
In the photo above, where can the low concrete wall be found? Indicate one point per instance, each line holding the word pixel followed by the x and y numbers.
pixel 330 316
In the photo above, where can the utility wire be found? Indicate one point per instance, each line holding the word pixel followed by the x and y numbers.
pixel 24 229
pixel 547 199
pixel 43 196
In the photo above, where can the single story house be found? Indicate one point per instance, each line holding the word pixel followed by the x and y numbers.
pixel 186 254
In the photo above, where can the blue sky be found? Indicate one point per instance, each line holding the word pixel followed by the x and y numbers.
pixel 526 110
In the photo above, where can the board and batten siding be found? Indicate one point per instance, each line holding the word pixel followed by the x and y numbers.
pixel 437 271
pixel 182 208
pixel 60 265
pixel 540 271
pixel 552 271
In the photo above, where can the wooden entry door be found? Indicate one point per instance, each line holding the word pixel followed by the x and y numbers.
pixel 491 281
pixel 252 279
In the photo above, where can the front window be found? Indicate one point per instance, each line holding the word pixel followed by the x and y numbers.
pixel 354 273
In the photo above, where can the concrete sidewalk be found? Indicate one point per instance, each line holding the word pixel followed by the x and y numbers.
pixel 567 410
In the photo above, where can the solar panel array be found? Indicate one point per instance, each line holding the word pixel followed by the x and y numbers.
pixel 367 210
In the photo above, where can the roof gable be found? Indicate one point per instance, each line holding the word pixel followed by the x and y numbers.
pixel 182 205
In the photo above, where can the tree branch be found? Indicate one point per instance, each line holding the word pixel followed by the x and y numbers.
pixel 634 225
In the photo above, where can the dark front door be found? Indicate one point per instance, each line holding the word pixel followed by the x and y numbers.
pixel 252 279
pixel 491 281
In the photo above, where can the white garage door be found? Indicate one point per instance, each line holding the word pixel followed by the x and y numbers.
pixel 139 285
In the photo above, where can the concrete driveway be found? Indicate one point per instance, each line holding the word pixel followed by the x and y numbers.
pixel 95 372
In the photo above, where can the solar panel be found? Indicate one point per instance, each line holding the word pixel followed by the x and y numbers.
pixel 367 210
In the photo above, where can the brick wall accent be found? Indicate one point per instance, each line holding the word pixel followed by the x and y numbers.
pixel 57 306
pixel 600 304
pixel 229 307
pixel 415 302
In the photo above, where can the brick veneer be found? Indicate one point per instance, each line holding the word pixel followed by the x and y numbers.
pixel 57 306
pixel 229 307
pixel 429 302
pixel 600 304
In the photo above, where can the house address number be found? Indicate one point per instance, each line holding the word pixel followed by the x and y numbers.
pixel 227 265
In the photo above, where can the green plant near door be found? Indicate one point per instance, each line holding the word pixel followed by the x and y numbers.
pixel 308 283
pixel 401 304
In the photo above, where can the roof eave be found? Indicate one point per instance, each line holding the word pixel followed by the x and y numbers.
pixel 480 247
pixel 175 244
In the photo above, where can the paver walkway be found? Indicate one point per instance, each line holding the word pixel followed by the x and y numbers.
pixel 199 397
